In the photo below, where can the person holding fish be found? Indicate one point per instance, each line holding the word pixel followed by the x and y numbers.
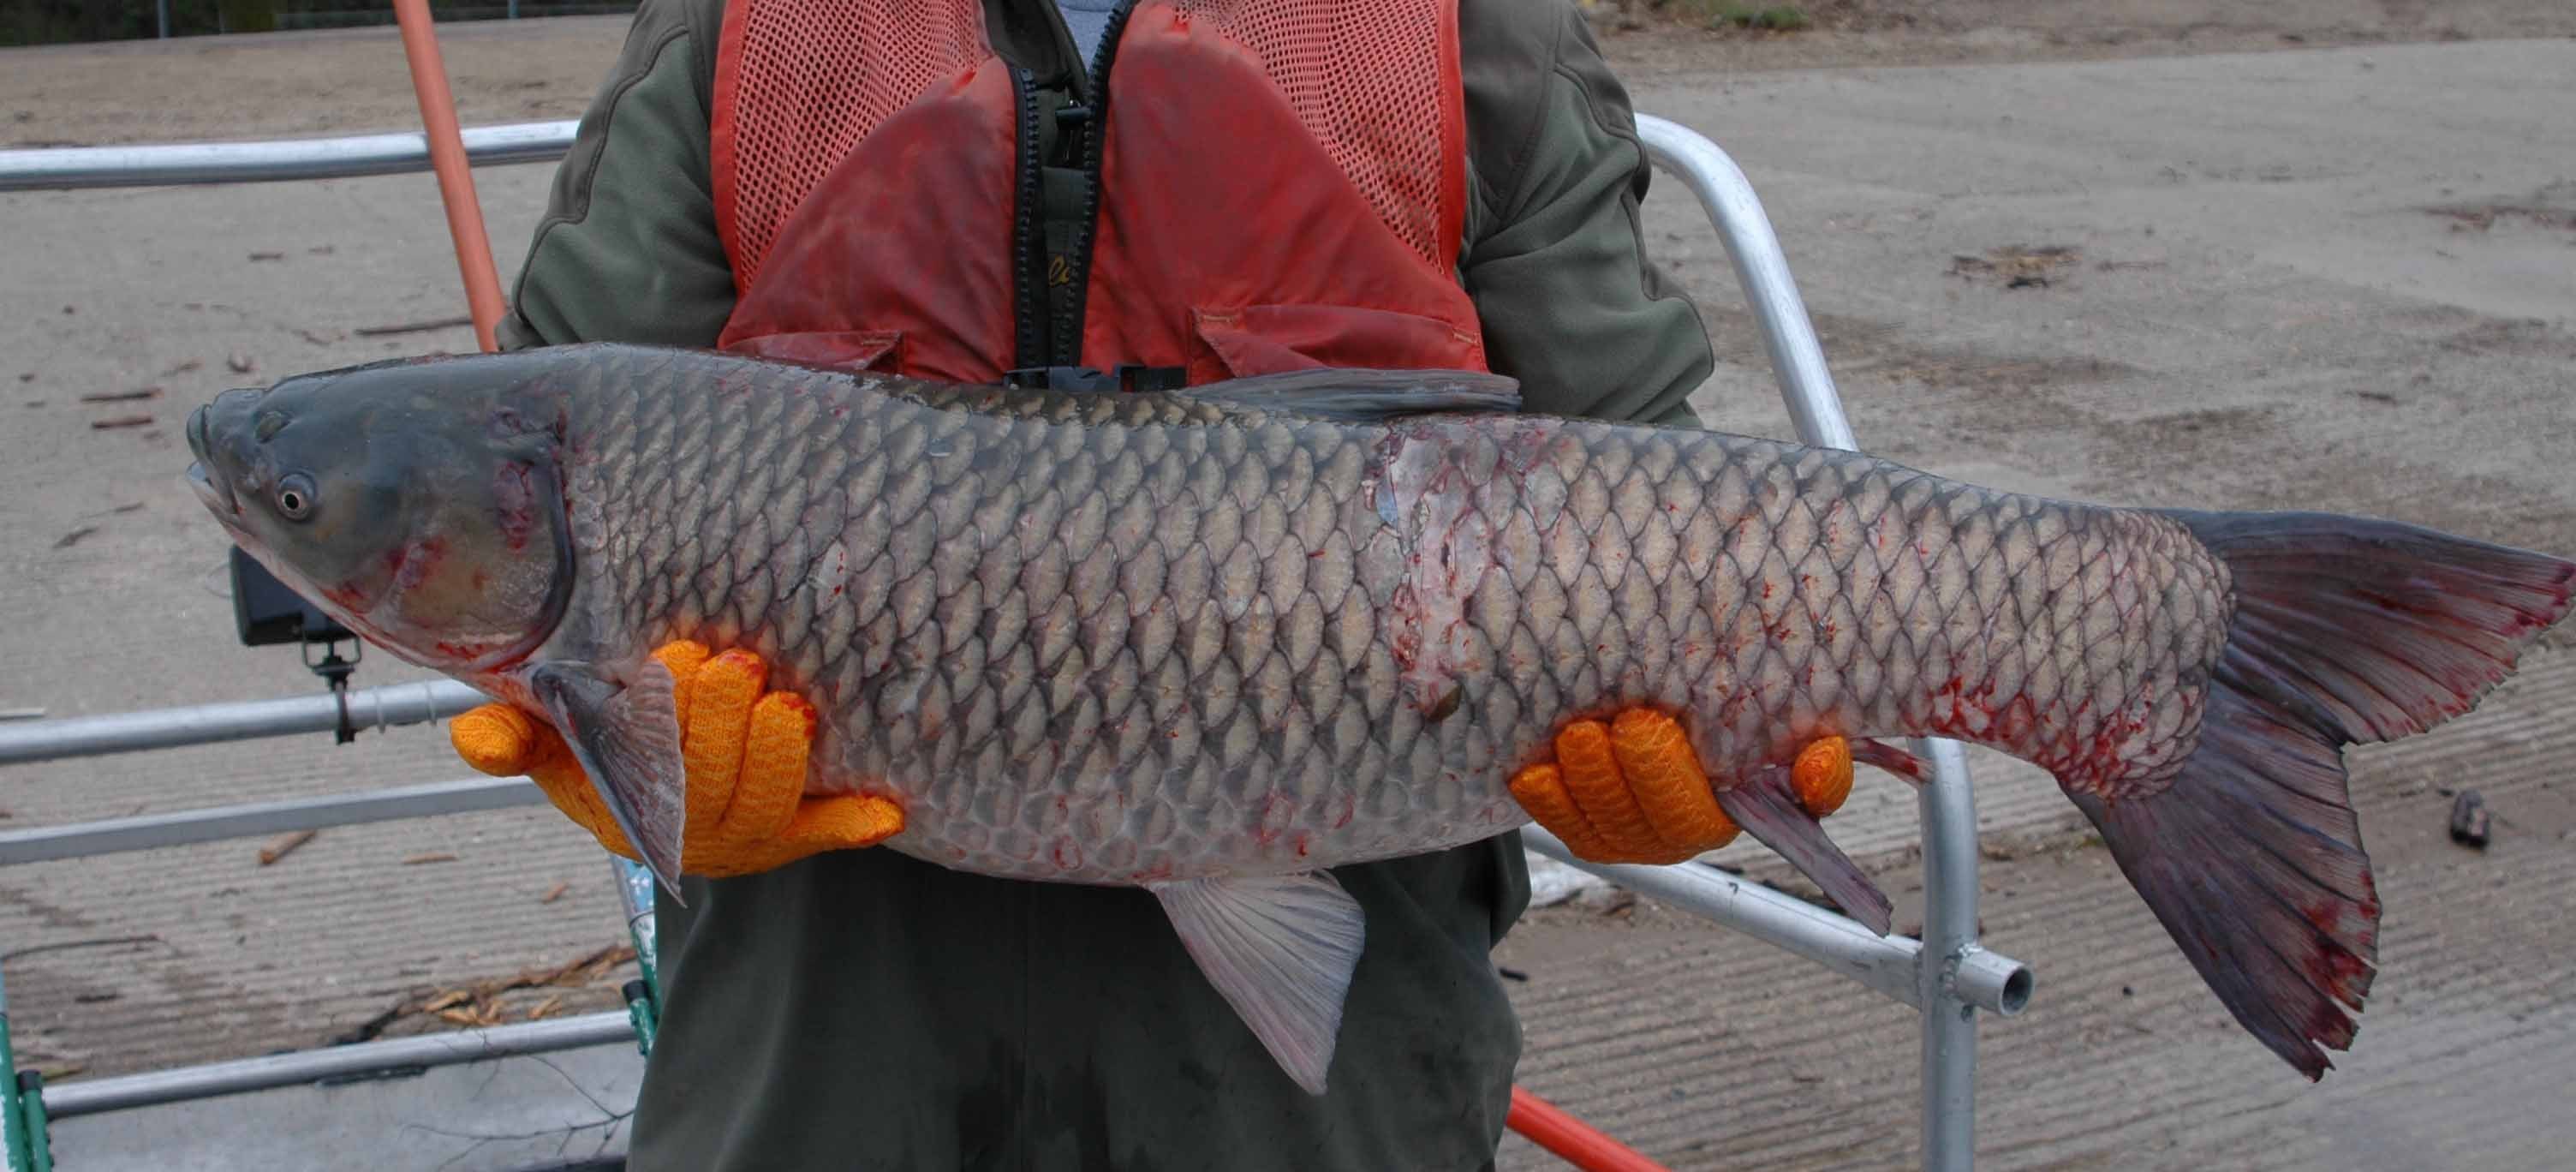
pixel 1113 196
pixel 1164 591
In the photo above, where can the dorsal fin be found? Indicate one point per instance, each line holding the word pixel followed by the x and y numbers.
pixel 1362 396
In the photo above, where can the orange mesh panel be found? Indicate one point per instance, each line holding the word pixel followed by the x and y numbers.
pixel 1367 78
pixel 800 82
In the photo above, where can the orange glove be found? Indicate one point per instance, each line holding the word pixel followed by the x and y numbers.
pixel 1633 792
pixel 746 753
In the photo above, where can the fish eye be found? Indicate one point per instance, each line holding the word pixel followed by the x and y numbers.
pixel 295 496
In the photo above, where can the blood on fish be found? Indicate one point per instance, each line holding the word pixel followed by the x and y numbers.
pixel 514 501
pixel 2018 718
pixel 411 564
pixel 2335 969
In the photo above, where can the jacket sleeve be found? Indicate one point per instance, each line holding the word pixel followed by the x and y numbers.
pixel 628 250
pixel 1555 257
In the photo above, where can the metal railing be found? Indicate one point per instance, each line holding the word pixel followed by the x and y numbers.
pixel 26 1104
pixel 1947 976
pixel 171 164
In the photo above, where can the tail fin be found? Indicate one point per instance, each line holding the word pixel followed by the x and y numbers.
pixel 2346 631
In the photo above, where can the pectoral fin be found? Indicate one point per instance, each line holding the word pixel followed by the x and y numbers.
pixel 1766 805
pixel 1280 949
pixel 627 739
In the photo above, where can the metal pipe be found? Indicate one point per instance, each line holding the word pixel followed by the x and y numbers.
pixel 643 926
pixel 92 1097
pixel 1884 963
pixel 153 165
pixel 162 7
pixel 455 174
pixel 1958 976
pixel 1805 382
pixel 203 724
pixel 151 831
pixel 1991 981
pixel 32 1121
pixel 15 1147
pixel 1949 939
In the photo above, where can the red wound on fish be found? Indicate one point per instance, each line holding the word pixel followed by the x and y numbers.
pixel 514 503
pixel 411 563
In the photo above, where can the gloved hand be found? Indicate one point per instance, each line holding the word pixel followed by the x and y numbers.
pixel 746 753
pixel 1633 791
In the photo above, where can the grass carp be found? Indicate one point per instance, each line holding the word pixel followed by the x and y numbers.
pixel 1212 642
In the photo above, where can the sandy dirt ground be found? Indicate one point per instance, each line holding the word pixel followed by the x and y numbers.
pixel 334 81
pixel 2313 254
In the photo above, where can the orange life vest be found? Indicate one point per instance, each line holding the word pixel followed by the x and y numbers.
pixel 1269 185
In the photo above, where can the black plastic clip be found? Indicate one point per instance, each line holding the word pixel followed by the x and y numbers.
pixel 336 671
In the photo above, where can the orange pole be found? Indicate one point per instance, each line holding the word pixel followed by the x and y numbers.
pixel 455 175
pixel 1550 1127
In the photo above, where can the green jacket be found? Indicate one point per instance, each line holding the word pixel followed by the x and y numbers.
pixel 863 1009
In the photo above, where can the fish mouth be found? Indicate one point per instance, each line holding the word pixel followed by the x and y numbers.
pixel 211 487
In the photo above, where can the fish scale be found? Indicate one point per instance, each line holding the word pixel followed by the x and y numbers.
pixel 1214 641
pixel 1219 641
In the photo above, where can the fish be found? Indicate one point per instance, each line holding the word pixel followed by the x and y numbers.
pixel 1213 642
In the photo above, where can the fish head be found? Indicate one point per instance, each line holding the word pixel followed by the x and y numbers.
pixel 418 502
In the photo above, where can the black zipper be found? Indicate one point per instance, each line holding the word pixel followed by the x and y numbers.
pixel 1070 309
pixel 1028 253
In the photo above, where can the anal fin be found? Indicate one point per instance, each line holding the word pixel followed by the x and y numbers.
pixel 1280 949
pixel 1766 805
pixel 628 740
